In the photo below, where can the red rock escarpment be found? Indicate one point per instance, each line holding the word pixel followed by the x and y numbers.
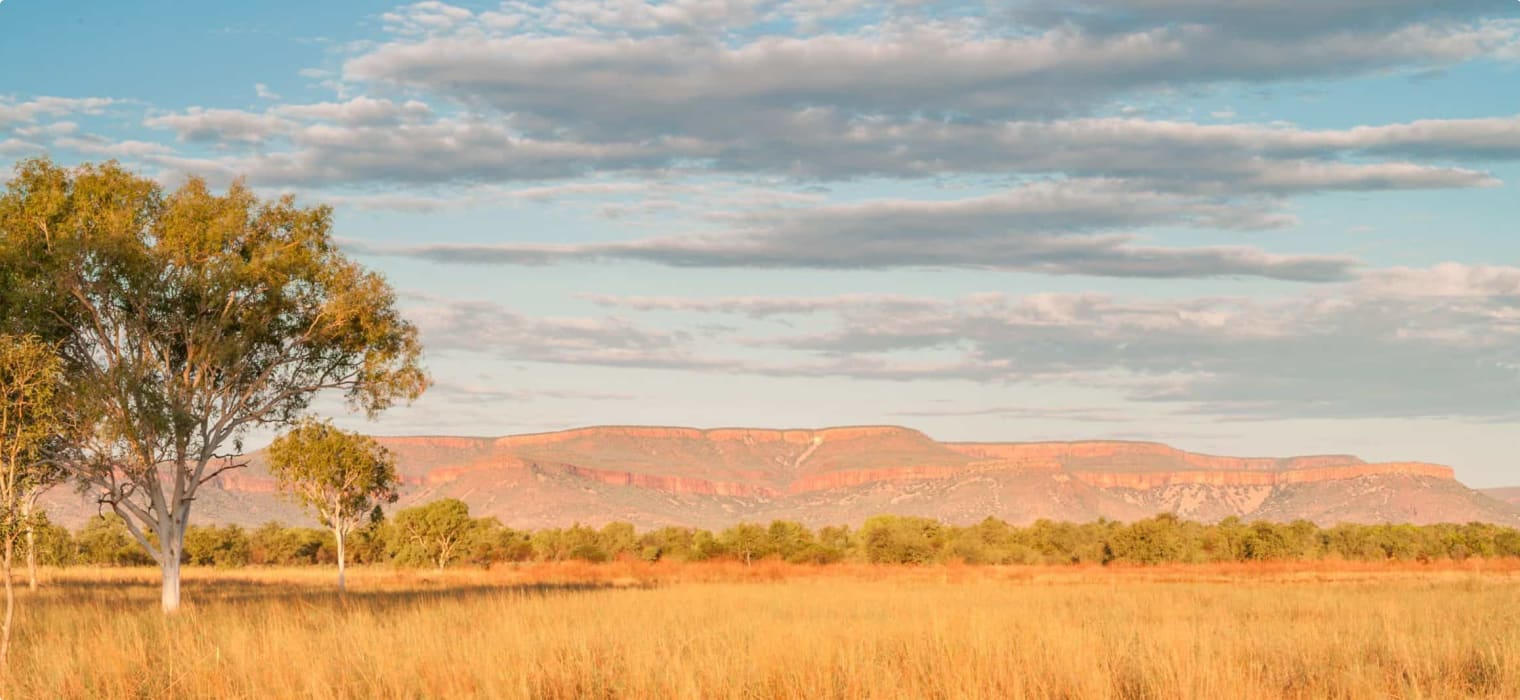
pixel 1071 453
pixel 239 481
pixel 435 442
pixel 1151 480
pixel 857 477
pixel 670 484
pixel 674 460
pixel 446 475
pixel 242 481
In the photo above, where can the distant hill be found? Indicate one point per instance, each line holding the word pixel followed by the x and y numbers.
pixel 654 476
pixel 1508 494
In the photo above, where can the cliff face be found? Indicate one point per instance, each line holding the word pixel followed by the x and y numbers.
pixel 1153 480
pixel 1113 453
pixel 657 475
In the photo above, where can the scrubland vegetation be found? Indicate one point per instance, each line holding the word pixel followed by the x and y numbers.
pixel 442 534
pixel 633 629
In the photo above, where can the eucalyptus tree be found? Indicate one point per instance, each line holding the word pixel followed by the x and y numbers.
pixel 342 475
pixel 188 318
pixel 31 421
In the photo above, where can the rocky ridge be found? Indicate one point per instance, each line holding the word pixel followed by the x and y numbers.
pixel 686 476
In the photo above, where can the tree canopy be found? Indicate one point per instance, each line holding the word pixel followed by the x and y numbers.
pixel 435 532
pixel 340 474
pixel 186 318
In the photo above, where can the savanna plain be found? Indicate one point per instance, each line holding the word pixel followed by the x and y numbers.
pixel 725 630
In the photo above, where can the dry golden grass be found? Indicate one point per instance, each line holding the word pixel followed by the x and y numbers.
pixel 635 630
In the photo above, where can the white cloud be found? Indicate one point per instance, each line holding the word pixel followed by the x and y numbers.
pixel 1407 342
pixel 14 111
pixel 1060 227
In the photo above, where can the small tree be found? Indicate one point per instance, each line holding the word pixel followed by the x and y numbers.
pixel 30 421
pixel 434 532
pixel 747 541
pixel 340 474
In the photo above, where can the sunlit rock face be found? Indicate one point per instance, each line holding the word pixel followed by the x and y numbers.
pixel 655 476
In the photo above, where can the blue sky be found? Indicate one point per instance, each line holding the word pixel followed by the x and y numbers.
pixel 1246 228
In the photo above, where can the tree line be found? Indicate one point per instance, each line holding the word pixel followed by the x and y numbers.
pixel 443 534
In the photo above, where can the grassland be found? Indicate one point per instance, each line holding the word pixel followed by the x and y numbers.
pixel 722 630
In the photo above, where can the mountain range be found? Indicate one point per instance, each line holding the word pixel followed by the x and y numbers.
pixel 655 476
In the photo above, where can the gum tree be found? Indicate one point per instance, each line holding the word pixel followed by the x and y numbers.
pixel 341 475
pixel 188 318
pixel 31 421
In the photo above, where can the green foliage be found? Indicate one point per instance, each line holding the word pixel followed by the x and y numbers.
pixel 705 546
pixel 222 547
pixel 55 545
pixel 885 539
pixel 992 541
pixel 276 545
pixel 1163 538
pixel 32 420
pixel 340 474
pixel 895 539
pixel 436 533
pixel 575 542
pixel 367 544
pixel 186 318
pixel 494 542
pixel 745 542
pixel 618 540
pixel 105 541
pixel 674 543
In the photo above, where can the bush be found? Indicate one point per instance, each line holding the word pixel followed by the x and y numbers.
pixel 105 541
pixel 217 546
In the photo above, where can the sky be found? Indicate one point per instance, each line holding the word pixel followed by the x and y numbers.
pixel 1262 227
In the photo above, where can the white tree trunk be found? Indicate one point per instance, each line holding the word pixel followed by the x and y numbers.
pixel 341 557
pixel 10 603
pixel 31 558
pixel 167 524
pixel 170 597
pixel 171 548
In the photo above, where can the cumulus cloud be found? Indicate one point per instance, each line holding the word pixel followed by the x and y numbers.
pixel 606 81
pixel 220 125
pixel 1442 342
pixel 485 326
pixel 14 111
pixel 1260 18
pixel 1080 415
pixel 763 307
pixel 859 89
pixel 373 141
pixel 1433 342
pixel 490 393
pixel 1061 227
